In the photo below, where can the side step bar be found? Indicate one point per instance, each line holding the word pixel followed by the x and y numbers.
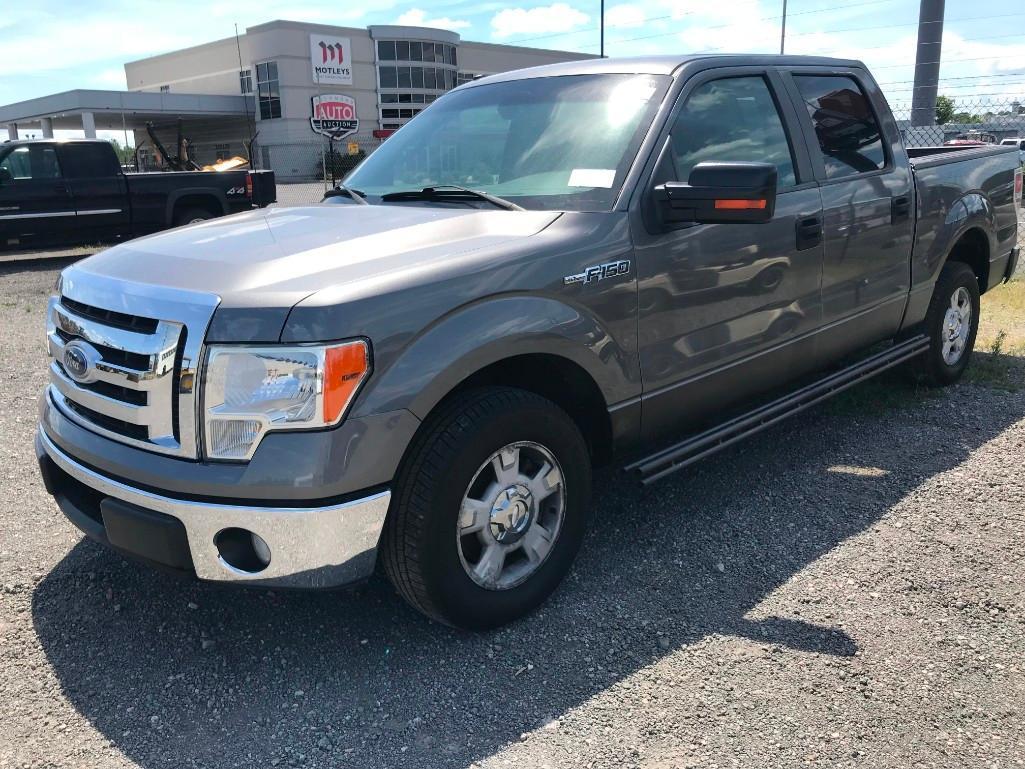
pixel 690 450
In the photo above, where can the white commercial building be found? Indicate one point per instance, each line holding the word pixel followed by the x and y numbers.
pixel 286 83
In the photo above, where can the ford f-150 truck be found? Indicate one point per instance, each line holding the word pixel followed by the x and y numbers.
pixel 630 262
pixel 70 192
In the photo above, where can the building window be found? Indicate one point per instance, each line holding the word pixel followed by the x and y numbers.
pixel 165 89
pixel 428 78
pixel 268 94
pixel 222 152
pixel 468 77
pixel 405 50
pixel 245 80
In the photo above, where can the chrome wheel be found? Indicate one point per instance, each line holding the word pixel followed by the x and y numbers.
pixel 957 324
pixel 511 515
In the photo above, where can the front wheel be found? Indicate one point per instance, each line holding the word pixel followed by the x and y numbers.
pixel 490 508
pixel 951 323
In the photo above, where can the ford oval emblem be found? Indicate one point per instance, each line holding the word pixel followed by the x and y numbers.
pixel 80 360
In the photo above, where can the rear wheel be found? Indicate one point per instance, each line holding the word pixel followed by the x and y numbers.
pixel 192 216
pixel 951 323
pixel 489 509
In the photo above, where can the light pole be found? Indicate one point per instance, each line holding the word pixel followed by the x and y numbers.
pixel 602 25
pixel 783 29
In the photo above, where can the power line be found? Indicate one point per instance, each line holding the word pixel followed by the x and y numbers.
pixel 678 16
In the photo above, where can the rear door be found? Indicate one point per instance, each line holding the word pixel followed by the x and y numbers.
pixel 98 187
pixel 867 206
pixel 35 204
pixel 726 308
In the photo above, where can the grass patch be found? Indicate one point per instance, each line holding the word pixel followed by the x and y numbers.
pixel 1002 321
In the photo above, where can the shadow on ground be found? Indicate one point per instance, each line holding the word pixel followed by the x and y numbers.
pixel 244 677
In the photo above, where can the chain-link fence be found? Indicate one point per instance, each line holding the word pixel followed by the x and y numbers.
pixel 964 120
pixel 305 169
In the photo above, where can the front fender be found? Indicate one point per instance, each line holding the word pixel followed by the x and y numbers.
pixel 491 330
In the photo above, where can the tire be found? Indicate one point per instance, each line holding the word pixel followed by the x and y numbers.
pixel 428 549
pixel 946 360
pixel 192 216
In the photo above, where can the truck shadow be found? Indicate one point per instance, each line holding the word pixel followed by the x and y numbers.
pixel 181 674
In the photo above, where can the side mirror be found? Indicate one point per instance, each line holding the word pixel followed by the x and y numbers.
pixel 719 193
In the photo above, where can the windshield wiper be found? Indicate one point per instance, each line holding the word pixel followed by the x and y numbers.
pixel 438 192
pixel 341 191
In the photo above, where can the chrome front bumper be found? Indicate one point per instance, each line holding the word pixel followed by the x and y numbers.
pixel 310 547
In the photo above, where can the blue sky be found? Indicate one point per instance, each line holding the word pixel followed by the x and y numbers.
pixel 48 45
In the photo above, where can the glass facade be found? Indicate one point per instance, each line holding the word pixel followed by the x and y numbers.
pixel 412 72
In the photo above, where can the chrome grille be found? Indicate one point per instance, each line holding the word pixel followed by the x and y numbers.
pixel 124 359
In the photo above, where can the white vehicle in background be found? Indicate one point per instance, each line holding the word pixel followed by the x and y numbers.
pixel 1020 144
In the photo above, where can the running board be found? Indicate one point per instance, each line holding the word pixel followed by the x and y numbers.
pixel 689 451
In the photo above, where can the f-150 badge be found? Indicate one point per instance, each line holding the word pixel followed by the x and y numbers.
pixel 599 272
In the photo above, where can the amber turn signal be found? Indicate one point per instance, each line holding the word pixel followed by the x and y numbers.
pixel 345 367
pixel 740 205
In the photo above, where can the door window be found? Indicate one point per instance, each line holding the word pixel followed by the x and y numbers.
pixel 846 127
pixel 89 161
pixel 31 162
pixel 732 120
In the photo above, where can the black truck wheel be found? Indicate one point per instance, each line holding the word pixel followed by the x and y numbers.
pixel 489 508
pixel 951 324
pixel 192 216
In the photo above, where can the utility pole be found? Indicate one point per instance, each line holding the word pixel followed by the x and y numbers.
pixel 927 63
pixel 602 25
pixel 783 29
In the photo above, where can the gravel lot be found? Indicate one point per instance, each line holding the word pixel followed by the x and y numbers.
pixel 845 590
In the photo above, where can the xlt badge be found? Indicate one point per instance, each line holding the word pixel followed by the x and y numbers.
pixel 599 272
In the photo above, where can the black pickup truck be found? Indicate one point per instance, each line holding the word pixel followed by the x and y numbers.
pixel 56 193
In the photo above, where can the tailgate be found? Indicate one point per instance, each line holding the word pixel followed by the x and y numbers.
pixel 261 188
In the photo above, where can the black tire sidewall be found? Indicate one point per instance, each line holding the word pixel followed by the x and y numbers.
pixel 461 601
pixel 191 215
pixel 953 276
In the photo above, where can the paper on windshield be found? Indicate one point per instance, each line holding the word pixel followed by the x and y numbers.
pixel 592 177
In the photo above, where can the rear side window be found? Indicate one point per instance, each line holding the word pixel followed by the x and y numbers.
pixel 88 161
pixel 732 120
pixel 847 129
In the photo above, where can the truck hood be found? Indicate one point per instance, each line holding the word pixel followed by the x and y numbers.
pixel 261 263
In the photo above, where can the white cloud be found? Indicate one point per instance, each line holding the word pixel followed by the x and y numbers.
pixel 415 17
pixel 113 77
pixel 558 17
pixel 625 16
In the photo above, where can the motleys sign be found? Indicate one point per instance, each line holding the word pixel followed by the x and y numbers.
pixel 334 115
pixel 331 59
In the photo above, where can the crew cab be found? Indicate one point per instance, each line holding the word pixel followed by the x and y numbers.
pixel 74 192
pixel 617 263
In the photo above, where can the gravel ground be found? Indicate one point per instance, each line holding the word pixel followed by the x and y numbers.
pixel 845 590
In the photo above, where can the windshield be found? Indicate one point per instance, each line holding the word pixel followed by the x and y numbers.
pixel 563 143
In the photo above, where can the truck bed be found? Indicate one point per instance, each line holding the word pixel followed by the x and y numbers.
pixel 927 157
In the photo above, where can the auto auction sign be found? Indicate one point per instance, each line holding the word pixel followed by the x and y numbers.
pixel 331 59
pixel 334 115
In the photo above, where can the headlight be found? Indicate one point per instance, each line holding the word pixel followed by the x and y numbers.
pixel 249 391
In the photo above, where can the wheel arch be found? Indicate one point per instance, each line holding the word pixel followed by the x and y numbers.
pixel 534 343
pixel 972 247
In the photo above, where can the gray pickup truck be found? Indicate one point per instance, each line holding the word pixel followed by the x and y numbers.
pixel 618 263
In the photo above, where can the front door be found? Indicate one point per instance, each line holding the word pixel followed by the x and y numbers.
pixel 36 208
pixel 98 186
pixel 728 309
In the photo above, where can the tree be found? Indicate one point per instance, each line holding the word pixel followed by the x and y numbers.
pixel 944 109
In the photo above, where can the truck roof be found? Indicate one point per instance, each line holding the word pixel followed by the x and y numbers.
pixel 55 141
pixel 664 65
